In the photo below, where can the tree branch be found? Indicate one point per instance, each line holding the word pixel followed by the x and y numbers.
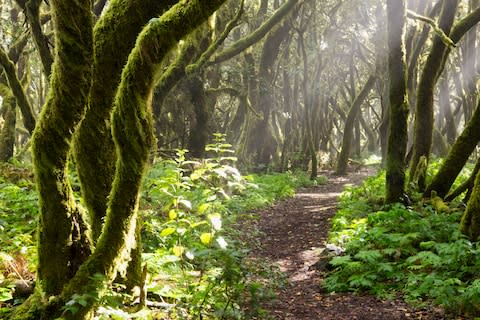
pixel 249 40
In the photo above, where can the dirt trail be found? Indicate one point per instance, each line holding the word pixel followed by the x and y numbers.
pixel 293 234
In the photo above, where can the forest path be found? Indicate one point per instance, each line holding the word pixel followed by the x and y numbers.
pixel 293 233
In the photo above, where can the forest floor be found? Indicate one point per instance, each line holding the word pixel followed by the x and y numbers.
pixel 293 233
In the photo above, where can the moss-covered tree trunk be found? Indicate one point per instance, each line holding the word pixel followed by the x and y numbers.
pixel 398 102
pixel 133 138
pixel 470 224
pixel 457 157
pixel 423 134
pixel 342 161
pixel 114 37
pixel 18 91
pixel 62 246
pixel 133 135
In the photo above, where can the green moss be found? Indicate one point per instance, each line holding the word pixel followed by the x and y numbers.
pixel 70 81
pixel 470 224
pixel 133 137
pixel 114 37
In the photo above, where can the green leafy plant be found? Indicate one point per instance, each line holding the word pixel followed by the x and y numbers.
pixel 415 251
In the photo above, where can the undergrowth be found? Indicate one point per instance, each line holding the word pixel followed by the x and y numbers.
pixel 196 256
pixel 194 253
pixel 415 251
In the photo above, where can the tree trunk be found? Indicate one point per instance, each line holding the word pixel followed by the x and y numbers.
pixel 18 91
pixel 94 146
pixel 398 102
pixel 63 241
pixel 457 157
pixel 133 137
pixel 422 141
pixel 470 224
pixel 198 137
pixel 261 142
pixel 7 134
pixel 342 162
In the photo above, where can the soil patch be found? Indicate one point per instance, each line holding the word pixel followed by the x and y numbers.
pixel 293 235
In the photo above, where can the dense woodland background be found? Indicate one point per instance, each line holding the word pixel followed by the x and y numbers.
pixel 96 96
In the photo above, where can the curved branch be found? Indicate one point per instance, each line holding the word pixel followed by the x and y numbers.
pixel 249 40
pixel 194 67
pixel 41 41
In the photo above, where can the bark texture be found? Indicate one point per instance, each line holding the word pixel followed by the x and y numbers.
pixel 133 137
pixel 61 239
pixel 7 133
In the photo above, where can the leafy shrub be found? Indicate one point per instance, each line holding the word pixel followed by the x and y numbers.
pixel 195 256
pixel 416 251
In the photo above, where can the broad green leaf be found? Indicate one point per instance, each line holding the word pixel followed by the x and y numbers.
pixel 206 238
pixel 203 208
pixel 167 231
pixel 172 214
pixel 178 250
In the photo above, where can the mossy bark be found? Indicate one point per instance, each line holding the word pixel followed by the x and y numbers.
pixel 41 41
pixel 342 161
pixel 423 134
pixel 470 223
pixel 467 185
pixel 457 157
pixel 62 237
pixel 114 37
pixel 398 102
pixel 133 135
